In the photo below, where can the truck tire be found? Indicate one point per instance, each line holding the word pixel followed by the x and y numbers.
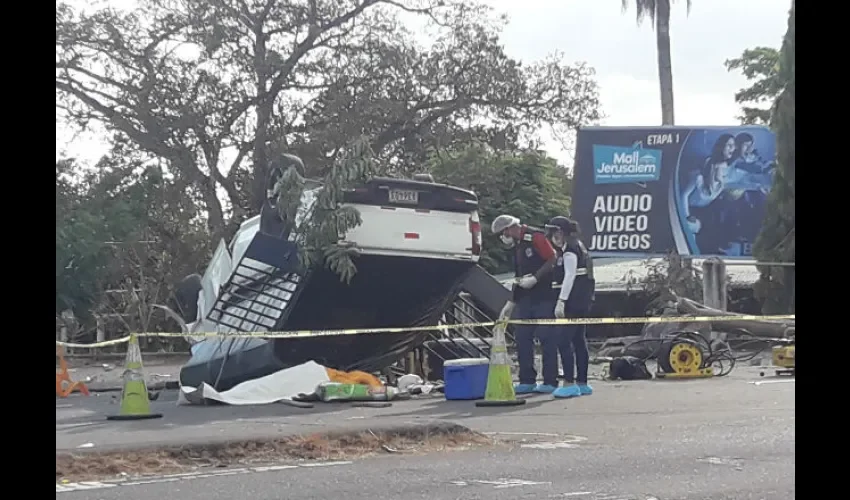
pixel 270 220
pixel 186 294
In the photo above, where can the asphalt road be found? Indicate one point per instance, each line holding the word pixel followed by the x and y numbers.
pixel 713 439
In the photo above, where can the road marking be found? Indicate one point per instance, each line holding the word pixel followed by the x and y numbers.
pixel 500 483
pixel 155 481
pixel 549 446
pixel 85 485
pixel 274 467
pixel 324 464
pixel 170 478
pixel 760 382
pixel 601 496
pixel 731 461
pixel 76 424
pixel 230 472
pixel 522 434
pixel 565 442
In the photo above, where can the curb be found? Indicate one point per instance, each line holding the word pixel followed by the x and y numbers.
pixel 410 431
pixel 413 431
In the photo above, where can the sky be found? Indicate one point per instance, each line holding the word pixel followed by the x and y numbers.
pixel 599 33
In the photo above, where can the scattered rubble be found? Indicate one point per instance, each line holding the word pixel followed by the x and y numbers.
pixel 102 376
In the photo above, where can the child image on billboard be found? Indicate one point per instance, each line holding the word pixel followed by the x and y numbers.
pixel 723 178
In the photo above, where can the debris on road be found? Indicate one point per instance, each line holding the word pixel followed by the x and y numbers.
pixel 305 383
pixel 405 382
pixel 336 391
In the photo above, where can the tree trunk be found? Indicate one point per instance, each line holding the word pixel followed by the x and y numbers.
pixel 773 328
pixel 215 212
pixel 665 64
pixel 261 161
pixel 264 112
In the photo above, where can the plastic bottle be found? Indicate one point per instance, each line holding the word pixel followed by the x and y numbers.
pixel 336 391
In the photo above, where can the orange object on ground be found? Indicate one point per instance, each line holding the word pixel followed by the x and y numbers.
pixel 354 377
pixel 63 377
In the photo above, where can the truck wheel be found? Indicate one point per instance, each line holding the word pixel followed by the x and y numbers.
pixel 270 220
pixel 186 294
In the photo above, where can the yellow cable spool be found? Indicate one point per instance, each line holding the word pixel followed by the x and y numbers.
pixel 685 358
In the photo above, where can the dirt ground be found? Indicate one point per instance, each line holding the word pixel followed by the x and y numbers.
pixel 114 465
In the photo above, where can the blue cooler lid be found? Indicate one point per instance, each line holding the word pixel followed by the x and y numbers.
pixel 466 362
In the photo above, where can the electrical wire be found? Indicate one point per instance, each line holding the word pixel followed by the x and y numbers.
pixel 723 359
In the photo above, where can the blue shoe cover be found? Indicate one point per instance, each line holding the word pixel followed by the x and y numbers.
pixel 585 389
pixel 545 388
pixel 524 388
pixel 568 391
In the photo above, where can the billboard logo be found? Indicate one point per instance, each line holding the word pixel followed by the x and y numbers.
pixel 621 165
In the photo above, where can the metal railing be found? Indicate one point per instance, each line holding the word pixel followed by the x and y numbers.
pixel 456 343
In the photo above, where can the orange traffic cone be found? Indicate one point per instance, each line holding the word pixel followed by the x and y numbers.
pixel 63 378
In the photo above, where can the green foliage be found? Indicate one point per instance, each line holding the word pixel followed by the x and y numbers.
pixel 777 241
pixel 319 232
pixel 526 184
pixel 649 9
pixel 669 279
pixel 305 78
pixel 123 225
pixel 90 212
pixel 760 66
pixel 269 76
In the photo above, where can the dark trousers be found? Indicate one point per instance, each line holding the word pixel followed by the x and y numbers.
pixel 531 308
pixel 573 347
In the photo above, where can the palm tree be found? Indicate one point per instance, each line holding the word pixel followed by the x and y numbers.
pixel 658 11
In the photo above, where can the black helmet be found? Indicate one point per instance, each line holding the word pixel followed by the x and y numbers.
pixel 564 224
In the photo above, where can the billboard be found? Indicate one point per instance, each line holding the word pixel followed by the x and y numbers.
pixel 699 191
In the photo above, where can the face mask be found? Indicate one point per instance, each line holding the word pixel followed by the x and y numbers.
pixel 558 240
pixel 507 240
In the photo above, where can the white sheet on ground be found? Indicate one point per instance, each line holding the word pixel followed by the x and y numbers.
pixel 282 385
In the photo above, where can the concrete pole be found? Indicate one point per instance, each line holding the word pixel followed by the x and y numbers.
pixel 67 322
pixel 714 283
pixel 714 291
pixel 100 335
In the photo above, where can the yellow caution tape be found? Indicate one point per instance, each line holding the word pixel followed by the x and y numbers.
pixel 105 343
pixel 657 319
pixel 361 331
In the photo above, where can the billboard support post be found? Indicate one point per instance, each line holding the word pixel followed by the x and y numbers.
pixel 714 283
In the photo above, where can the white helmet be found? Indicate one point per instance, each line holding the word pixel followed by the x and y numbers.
pixel 503 222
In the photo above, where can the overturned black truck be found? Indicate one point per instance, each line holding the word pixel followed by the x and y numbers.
pixel 417 248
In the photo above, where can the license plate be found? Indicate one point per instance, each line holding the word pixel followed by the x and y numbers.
pixel 404 196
